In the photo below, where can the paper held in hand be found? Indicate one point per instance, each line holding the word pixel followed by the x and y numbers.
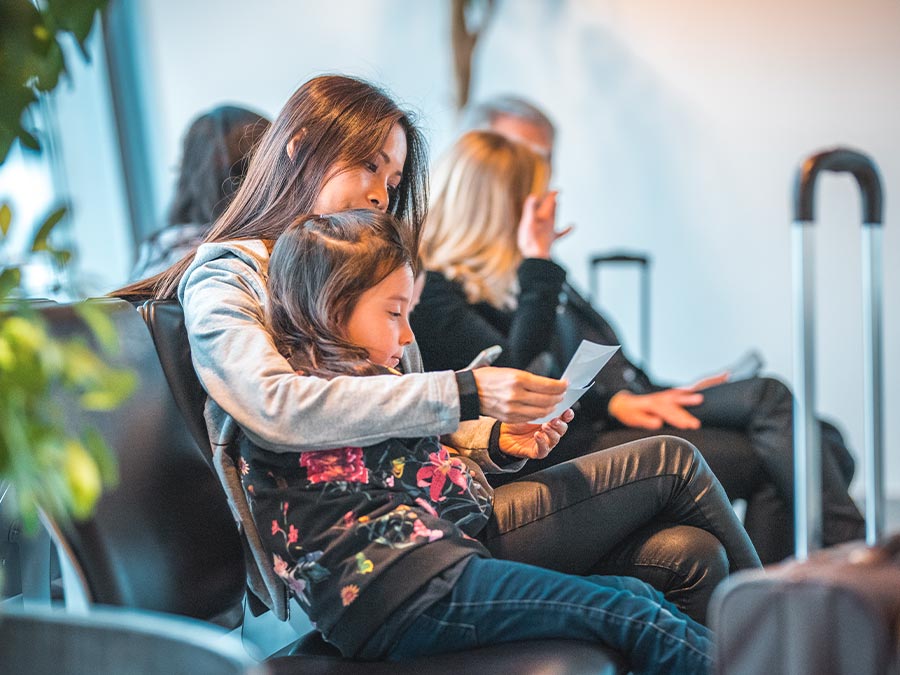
pixel 586 362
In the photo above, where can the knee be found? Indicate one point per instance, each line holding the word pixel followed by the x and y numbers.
pixel 695 555
pixel 681 454
pixel 776 392
pixel 689 564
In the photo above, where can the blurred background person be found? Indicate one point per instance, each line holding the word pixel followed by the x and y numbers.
pixel 214 159
pixel 491 280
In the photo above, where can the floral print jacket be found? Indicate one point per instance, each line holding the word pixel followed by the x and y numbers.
pixel 355 532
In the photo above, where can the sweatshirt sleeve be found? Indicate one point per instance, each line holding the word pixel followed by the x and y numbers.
pixel 477 440
pixel 242 371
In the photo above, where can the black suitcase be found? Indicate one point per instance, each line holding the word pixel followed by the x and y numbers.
pixel 836 611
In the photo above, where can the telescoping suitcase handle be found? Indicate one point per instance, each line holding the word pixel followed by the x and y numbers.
pixel 807 448
pixel 595 262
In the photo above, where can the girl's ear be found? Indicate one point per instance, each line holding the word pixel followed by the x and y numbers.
pixel 292 144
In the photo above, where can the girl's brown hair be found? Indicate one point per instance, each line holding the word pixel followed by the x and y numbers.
pixel 333 120
pixel 318 269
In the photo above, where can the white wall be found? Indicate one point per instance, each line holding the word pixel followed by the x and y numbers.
pixel 681 126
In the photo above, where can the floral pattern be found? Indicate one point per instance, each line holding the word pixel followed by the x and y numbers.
pixel 342 464
pixel 440 468
pixel 333 519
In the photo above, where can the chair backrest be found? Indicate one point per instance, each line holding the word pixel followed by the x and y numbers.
pixel 162 539
pixel 116 642
pixel 165 320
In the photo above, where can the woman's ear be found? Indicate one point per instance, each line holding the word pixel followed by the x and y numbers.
pixel 292 144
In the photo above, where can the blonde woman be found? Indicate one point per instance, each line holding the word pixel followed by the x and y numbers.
pixel 486 245
pixel 488 237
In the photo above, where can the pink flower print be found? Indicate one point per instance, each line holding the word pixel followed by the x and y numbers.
pixel 427 507
pixel 442 467
pixel 342 464
pixel 349 593
pixel 243 467
pixel 293 535
pixel 421 530
pixel 389 481
pixel 280 567
pixel 349 519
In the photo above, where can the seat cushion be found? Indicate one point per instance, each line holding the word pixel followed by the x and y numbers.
pixel 539 657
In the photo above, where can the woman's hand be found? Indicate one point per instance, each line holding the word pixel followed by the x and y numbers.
pixel 515 396
pixel 652 411
pixel 534 441
pixel 537 228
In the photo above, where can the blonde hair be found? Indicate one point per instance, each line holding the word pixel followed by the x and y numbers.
pixel 470 232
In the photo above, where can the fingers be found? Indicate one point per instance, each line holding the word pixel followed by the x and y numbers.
pixel 679 418
pixel 680 397
pixel 543 444
pixel 712 381
pixel 562 233
pixel 514 396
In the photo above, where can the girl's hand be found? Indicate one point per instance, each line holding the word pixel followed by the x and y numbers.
pixel 537 228
pixel 534 441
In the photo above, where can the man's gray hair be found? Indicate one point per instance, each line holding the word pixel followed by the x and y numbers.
pixel 482 115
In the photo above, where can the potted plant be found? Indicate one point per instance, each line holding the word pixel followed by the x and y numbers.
pixel 43 463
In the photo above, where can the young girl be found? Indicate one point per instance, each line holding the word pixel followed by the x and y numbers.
pixel 376 542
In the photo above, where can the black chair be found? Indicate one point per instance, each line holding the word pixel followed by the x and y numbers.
pixel 115 642
pixel 162 539
pixel 312 655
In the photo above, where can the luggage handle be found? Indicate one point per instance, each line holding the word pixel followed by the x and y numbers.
pixel 643 262
pixel 807 449
pixel 839 160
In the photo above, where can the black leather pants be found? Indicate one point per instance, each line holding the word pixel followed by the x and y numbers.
pixel 762 470
pixel 651 509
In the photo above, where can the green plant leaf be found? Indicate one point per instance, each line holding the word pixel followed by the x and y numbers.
pixel 102 455
pixel 75 17
pixel 5 218
pixel 28 140
pixel 116 386
pixel 102 327
pixel 9 280
pixel 40 242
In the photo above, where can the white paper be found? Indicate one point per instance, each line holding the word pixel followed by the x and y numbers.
pixel 586 362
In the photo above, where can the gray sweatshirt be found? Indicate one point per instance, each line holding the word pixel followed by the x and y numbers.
pixel 249 382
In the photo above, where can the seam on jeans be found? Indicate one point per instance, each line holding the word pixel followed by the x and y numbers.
pixel 555 603
pixel 581 501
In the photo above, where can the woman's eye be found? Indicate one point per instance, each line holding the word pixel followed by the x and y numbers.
pixel 396 315
pixel 371 166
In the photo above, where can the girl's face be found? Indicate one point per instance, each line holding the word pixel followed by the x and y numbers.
pixel 379 323
pixel 368 186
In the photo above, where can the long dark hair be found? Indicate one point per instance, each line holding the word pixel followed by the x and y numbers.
pixel 215 157
pixel 332 119
pixel 318 269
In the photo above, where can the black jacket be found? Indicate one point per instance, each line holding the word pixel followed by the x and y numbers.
pixel 551 318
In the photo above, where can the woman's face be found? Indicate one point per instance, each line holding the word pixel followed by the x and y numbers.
pixel 368 186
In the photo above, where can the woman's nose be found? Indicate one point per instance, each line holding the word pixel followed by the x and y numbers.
pixel 378 198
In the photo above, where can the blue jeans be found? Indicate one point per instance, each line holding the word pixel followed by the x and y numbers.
pixel 497 601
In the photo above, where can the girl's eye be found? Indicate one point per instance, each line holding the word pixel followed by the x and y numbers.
pixel 392 190
pixel 396 315
pixel 371 166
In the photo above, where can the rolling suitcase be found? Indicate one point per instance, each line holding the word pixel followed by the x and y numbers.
pixel 835 611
